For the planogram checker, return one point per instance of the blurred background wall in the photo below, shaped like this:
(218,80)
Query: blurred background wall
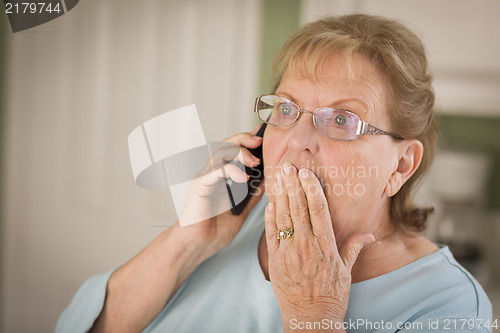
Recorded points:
(74,88)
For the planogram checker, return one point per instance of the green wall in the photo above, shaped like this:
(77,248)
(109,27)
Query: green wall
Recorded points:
(279,19)
(477,134)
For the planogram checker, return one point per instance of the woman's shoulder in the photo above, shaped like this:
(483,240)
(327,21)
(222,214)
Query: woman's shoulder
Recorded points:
(435,285)
(437,266)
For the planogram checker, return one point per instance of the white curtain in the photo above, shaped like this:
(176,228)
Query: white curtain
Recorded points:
(76,87)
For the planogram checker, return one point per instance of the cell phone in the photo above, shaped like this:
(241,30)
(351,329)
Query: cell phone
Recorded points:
(256,174)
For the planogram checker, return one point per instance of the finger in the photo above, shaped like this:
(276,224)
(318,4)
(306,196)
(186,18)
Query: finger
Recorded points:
(245,139)
(233,154)
(270,224)
(232,171)
(352,246)
(221,153)
(283,217)
(247,158)
(319,214)
(297,200)
(244,156)
(228,171)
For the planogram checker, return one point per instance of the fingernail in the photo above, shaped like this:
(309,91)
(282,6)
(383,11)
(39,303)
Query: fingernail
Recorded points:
(278,179)
(287,167)
(270,207)
(304,173)
(369,240)
(258,138)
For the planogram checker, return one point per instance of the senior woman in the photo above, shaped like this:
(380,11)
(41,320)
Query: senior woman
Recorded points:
(350,132)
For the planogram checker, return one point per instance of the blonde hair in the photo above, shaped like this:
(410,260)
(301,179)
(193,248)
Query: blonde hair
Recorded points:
(400,55)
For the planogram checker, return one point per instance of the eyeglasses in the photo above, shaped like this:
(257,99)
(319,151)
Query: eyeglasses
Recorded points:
(333,123)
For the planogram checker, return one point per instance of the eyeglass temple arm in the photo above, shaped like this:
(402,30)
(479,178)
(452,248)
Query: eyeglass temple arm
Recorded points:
(368,129)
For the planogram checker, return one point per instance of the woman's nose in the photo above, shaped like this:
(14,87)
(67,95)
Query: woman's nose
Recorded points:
(303,134)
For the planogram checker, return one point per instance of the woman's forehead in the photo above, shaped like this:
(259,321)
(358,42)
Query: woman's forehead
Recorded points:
(353,65)
(338,70)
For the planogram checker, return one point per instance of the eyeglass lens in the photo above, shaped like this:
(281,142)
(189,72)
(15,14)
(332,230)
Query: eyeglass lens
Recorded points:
(333,123)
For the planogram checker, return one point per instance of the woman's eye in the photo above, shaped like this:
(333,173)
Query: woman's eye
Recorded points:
(340,119)
(285,109)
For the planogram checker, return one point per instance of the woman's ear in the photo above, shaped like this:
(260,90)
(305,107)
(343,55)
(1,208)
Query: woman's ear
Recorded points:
(410,156)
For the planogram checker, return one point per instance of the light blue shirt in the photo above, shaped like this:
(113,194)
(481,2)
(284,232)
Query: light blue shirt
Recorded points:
(229,293)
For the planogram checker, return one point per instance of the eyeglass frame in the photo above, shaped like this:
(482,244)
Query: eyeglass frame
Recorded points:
(364,128)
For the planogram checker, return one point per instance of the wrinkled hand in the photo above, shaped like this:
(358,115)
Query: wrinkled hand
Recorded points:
(310,276)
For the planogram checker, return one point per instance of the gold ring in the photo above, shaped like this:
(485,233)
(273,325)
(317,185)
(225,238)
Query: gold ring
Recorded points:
(284,233)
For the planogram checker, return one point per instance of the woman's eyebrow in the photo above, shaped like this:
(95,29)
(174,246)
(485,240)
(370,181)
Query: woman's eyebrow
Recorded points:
(346,103)
(286,95)
(336,104)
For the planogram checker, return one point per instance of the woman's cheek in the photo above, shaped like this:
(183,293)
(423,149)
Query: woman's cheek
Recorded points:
(270,157)
(347,181)
(268,182)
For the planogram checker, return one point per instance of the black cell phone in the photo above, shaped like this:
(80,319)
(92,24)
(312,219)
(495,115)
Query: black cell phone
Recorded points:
(236,190)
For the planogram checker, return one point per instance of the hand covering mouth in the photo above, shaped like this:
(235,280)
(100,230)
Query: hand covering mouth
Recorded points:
(307,165)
